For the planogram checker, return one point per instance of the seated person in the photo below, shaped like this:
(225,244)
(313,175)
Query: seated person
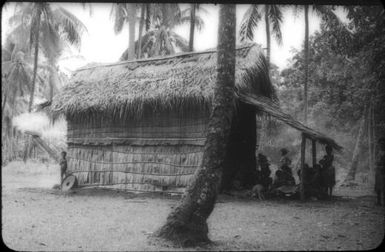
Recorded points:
(264,172)
(285,168)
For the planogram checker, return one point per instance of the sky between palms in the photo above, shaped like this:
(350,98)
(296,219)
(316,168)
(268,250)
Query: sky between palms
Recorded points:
(101,44)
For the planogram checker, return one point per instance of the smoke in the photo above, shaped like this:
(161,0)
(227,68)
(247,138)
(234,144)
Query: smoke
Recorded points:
(37,122)
(53,134)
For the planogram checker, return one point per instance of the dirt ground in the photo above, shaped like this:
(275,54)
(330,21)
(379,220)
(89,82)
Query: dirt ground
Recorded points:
(36,217)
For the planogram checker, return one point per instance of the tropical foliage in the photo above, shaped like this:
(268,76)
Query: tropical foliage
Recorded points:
(344,76)
(252,18)
(35,27)
(159,38)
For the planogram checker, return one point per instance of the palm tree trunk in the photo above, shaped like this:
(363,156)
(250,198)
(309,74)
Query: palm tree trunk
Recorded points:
(192,26)
(141,24)
(131,12)
(187,223)
(36,56)
(268,48)
(357,149)
(148,17)
(28,146)
(306,60)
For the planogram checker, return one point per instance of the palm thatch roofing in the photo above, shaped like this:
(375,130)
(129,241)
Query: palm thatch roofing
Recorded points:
(273,109)
(173,82)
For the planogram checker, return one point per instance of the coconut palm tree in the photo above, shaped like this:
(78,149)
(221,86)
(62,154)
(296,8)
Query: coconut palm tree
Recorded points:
(187,223)
(251,19)
(142,20)
(192,24)
(326,13)
(159,39)
(125,13)
(273,17)
(194,20)
(49,29)
(16,80)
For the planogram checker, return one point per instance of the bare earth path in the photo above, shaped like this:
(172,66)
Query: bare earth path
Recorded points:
(37,218)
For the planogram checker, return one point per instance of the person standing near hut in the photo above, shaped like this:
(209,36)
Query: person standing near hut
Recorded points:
(328,179)
(379,185)
(63,166)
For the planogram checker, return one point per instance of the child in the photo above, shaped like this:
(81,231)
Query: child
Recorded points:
(63,166)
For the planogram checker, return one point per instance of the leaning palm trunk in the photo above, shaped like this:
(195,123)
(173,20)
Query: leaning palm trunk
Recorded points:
(36,56)
(357,150)
(28,145)
(187,223)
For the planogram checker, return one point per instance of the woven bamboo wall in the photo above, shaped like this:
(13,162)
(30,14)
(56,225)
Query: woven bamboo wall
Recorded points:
(158,153)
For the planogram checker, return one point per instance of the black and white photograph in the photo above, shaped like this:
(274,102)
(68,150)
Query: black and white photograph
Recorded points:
(193,126)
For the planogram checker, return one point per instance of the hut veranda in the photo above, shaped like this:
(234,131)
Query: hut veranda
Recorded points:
(140,125)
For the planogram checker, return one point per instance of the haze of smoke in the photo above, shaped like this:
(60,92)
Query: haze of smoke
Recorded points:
(53,134)
(31,121)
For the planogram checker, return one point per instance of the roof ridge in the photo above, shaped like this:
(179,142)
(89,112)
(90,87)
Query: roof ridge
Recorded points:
(249,45)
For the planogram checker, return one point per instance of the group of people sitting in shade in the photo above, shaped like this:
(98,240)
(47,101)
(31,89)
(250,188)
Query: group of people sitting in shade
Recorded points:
(318,180)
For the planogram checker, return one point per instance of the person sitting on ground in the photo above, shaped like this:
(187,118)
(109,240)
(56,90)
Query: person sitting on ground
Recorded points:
(264,172)
(285,168)
(328,179)
(63,166)
(379,185)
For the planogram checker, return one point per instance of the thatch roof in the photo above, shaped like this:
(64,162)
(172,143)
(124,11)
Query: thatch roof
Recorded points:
(273,109)
(172,82)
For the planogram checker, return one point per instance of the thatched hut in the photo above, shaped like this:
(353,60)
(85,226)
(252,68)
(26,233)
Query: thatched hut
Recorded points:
(140,125)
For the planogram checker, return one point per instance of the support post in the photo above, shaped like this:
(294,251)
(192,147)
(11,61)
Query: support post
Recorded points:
(314,152)
(303,147)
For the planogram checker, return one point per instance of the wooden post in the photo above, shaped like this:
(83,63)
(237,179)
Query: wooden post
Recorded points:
(303,147)
(314,152)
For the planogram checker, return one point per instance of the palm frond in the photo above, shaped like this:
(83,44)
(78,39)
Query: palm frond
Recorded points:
(296,9)
(249,23)
(170,15)
(180,42)
(50,41)
(70,26)
(119,18)
(199,23)
(25,79)
(275,15)
(327,14)
(35,26)
(201,9)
